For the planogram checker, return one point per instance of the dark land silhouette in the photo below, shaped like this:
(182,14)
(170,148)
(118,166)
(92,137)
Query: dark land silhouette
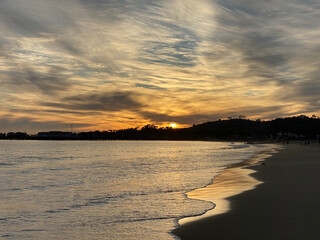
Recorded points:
(234,129)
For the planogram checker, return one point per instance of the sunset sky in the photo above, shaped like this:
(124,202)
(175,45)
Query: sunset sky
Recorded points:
(112,64)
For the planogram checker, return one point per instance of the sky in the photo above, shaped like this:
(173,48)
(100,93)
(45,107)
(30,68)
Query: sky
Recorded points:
(115,64)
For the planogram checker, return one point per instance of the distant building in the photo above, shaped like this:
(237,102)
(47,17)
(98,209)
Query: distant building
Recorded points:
(55,135)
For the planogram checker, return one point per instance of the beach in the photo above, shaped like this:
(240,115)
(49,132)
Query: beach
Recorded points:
(274,199)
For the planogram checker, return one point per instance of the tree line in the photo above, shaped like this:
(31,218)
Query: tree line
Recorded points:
(232,129)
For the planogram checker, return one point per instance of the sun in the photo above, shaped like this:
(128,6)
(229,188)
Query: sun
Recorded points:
(173,125)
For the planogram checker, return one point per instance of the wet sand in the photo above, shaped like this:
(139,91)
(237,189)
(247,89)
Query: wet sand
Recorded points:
(279,200)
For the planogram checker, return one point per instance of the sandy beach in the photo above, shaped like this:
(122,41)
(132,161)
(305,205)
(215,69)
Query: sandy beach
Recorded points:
(276,199)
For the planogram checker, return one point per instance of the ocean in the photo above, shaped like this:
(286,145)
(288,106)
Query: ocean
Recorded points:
(106,189)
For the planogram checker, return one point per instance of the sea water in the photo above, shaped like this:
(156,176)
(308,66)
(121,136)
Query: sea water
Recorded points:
(106,189)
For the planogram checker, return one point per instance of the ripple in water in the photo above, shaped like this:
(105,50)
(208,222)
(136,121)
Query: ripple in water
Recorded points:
(106,190)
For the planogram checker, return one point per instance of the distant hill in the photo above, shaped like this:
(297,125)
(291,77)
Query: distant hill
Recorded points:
(237,129)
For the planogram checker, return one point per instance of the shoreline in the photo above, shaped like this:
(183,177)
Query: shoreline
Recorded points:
(264,199)
(233,180)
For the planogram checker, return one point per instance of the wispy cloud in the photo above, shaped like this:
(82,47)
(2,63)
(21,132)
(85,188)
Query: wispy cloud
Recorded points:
(109,102)
(139,61)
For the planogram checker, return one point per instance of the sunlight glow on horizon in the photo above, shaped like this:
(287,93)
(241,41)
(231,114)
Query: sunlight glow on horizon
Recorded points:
(173,125)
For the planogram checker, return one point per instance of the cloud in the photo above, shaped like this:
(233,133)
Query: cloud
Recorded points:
(36,18)
(194,118)
(19,22)
(27,78)
(148,86)
(30,125)
(148,60)
(270,45)
(100,101)
(246,28)
(68,47)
